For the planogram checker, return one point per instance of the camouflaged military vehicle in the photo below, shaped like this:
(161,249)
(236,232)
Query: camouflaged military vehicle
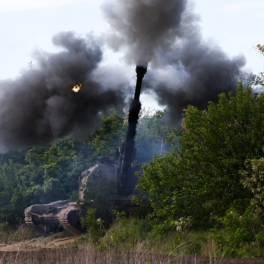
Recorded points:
(65,215)
(119,172)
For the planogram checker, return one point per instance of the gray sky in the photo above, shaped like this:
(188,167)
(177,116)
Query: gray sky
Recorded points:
(27,25)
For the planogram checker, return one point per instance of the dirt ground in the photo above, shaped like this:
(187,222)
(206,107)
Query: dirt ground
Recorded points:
(50,242)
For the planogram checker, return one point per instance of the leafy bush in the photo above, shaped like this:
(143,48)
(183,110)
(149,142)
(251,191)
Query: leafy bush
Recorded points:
(253,179)
(93,225)
(126,233)
(242,235)
(201,175)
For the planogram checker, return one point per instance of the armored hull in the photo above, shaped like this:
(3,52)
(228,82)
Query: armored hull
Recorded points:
(65,215)
(54,217)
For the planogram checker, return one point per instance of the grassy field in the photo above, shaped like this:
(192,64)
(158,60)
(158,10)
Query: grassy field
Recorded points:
(128,240)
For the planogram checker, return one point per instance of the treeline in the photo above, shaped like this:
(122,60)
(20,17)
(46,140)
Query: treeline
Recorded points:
(208,177)
(47,174)
(206,193)
(219,166)
(213,176)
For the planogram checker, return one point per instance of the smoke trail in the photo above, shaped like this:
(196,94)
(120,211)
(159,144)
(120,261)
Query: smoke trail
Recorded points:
(40,106)
(184,69)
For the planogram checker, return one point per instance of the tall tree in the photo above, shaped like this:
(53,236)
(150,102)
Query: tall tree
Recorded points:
(201,176)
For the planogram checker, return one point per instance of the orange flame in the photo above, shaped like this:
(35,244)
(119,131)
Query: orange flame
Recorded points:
(77,88)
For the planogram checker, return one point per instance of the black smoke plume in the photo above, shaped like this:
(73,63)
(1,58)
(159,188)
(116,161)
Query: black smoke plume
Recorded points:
(198,75)
(184,68)
(147,27)
(40,106)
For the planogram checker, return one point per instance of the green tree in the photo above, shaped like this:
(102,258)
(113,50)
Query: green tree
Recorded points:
(151,136)
(259,79)
(106,140)
(201,176)
(43,175)
(253,179)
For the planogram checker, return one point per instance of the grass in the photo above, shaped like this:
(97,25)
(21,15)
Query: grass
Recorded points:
(10,235)
(128,240)
(91,256)
(131,234)
(139,236)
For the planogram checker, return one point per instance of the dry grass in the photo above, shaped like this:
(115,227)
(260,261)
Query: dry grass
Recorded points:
(90,256)
(87,253)
(123,243)
(24,238)
(22,233)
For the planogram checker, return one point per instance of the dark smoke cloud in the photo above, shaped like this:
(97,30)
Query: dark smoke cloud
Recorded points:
(147,27)
(184,69)
(197,76)
(40,105)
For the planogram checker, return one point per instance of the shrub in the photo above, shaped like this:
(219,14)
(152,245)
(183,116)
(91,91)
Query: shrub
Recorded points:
(93,225)
(201,175)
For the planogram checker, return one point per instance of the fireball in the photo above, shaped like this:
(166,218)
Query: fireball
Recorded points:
(77,88)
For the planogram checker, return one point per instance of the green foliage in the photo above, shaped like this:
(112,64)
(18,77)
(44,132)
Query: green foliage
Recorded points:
(201,176)
(183,224)
(44,175)
(242,232)
(97,194)
(235,238)
(93,225)
(119,216)
(107,139)
(253,179)
(126,233)
(163,182)
(151,136)
(259,79)
(143,208)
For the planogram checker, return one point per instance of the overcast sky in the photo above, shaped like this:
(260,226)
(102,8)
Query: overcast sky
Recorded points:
(27,25)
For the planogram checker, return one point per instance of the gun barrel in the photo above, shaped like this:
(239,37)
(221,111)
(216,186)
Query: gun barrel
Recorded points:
(141,71)
(128,148)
